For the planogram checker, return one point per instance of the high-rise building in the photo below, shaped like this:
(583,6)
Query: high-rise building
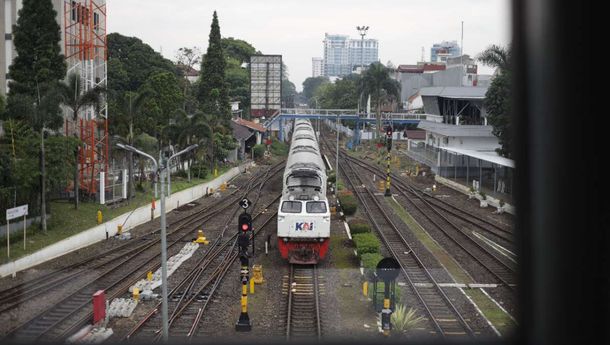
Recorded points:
(440,52)
(370,52)
(342,54)
(336,55)
(317,67)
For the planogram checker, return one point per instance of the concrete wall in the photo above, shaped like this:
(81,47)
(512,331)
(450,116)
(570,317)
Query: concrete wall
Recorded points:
(100,232)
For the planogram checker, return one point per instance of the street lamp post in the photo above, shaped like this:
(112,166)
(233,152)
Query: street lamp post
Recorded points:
(159,168)
(362,31)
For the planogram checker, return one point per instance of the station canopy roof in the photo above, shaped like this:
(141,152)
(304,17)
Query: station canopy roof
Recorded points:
(489,156)
(448,130)
(455,92)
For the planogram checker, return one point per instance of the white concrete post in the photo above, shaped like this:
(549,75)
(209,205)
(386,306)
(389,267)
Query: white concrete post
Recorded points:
(102,190)
(125,183)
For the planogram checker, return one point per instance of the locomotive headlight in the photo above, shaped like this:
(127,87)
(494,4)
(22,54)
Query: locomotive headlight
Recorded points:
(321,240)
(285,239)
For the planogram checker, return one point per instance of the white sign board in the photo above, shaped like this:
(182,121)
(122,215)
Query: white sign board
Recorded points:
(16,212)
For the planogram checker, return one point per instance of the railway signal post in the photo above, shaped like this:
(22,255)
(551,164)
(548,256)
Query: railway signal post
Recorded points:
(387,270)
(243,241)
(388,160)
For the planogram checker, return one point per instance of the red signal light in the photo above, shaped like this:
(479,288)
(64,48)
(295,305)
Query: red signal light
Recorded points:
(244,227)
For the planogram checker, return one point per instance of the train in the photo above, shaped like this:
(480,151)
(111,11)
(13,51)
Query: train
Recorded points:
(303,219)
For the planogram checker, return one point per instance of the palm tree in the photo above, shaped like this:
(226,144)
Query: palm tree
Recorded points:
(376,82)
(130,106)
(74,97)
(496,56)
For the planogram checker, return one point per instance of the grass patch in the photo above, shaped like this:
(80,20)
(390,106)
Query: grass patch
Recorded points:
(503,323)
(65,221)
(343,258)
(490,310)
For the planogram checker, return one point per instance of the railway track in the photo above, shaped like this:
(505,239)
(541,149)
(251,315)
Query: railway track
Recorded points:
(444,317)
(13,296)
(501,269)
(303,304)
(69,309)
(189,299)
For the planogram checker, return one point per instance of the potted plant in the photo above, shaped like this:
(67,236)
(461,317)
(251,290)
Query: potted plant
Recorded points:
(501,207)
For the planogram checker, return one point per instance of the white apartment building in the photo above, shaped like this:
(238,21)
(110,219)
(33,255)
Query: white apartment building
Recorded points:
(317,67)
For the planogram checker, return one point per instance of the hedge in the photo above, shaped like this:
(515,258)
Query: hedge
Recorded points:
(348,201)
(331,177)
(366,243)
(370,260)
(279,148)
(358,226)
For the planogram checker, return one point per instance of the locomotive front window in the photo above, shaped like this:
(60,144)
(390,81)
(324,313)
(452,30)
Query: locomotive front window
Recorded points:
(316,207)
(291,207)
(304,181)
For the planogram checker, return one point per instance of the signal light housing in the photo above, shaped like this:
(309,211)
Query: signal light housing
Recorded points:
(245,222)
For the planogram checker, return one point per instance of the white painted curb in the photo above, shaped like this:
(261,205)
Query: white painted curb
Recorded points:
(98,233)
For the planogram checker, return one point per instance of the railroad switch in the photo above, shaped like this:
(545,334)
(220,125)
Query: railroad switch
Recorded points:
(99,217)
(258,274)
(201,238)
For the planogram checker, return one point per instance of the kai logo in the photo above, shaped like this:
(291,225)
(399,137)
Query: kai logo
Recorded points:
(304,226)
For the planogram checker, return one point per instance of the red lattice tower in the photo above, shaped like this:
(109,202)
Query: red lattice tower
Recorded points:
(85,49)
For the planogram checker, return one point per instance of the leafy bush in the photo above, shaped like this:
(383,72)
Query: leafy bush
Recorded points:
(180,173)
(366,243)
(332,177)
(259,150)
(358,226)
(348,201)
(199,170)
(279,148)
(370,260)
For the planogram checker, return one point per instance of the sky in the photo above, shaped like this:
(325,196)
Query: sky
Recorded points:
(295,28)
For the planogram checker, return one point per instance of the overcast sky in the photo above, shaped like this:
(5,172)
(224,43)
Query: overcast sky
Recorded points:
(295,29)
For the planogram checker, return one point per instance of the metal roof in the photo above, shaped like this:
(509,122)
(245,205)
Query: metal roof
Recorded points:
(241,132)
(456,131)
(489,156)
(458,92)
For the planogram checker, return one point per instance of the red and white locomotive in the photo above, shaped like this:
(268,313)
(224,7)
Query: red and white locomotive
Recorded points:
(303,226)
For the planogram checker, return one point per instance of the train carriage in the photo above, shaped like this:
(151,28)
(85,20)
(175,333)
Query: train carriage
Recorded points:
(304,216)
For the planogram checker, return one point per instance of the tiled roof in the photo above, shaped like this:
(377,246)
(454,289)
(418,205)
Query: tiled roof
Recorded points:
(252,125)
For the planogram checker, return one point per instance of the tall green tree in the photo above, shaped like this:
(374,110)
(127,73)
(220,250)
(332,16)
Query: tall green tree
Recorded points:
(498,96)
(213,93)
(35,74)
(310,85)
(164,102)
(74,97)
(376,81)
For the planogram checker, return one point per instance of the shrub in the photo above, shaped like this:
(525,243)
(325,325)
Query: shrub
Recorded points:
(358,226)
(483,195)
(332,177)
(366,243)
(259,150)
(279,148)
(348,201)
(199,170)
(370,260)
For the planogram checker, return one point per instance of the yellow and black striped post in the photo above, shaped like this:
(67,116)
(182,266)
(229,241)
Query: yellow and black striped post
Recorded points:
(243,323)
